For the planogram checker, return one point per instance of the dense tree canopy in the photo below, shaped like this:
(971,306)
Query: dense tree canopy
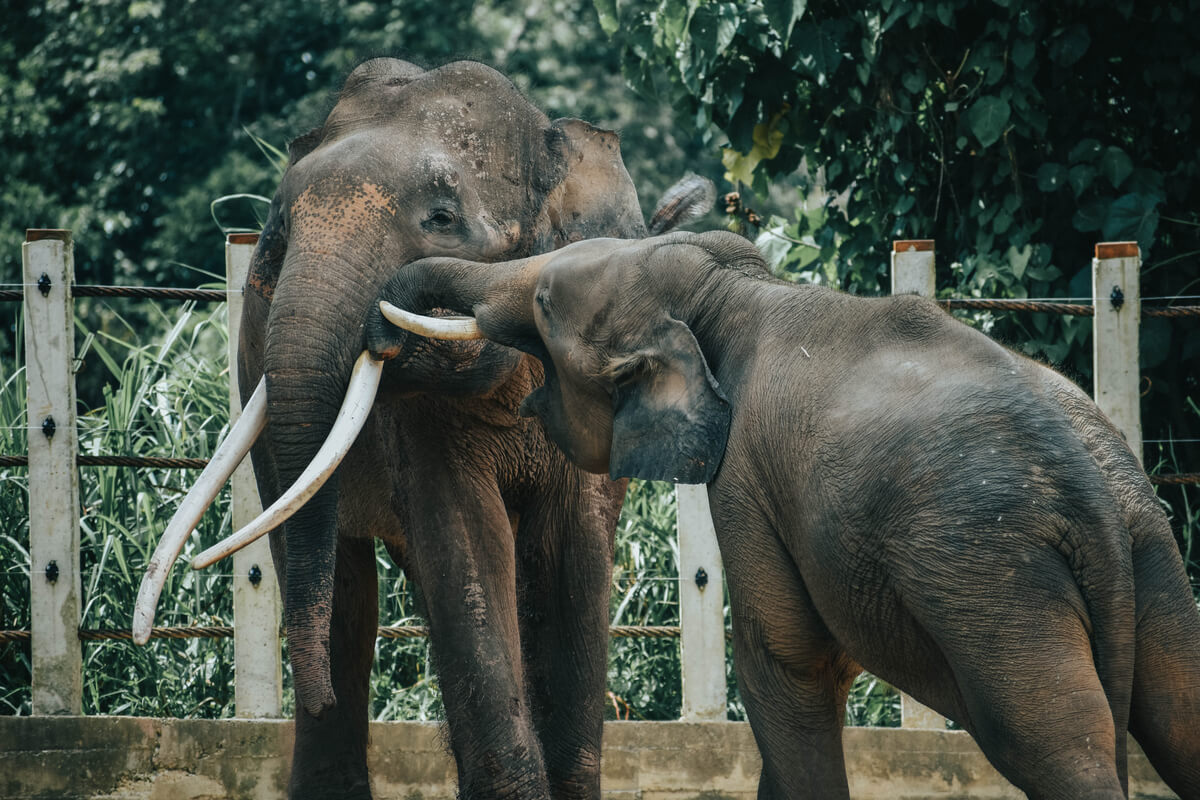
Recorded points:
(1014,132)
(124,119)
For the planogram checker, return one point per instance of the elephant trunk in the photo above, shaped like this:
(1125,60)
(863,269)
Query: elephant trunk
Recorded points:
(499,296)
(313,337)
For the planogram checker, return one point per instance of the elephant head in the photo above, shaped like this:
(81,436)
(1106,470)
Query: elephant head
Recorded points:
(628,391)
(409,164)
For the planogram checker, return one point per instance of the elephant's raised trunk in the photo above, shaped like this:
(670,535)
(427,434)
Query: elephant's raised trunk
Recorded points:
(498,296)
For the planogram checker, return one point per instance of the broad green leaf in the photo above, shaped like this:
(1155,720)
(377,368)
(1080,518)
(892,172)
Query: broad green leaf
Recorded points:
(1081,177)
(1023,52)
(1091,216)
(782,15)
(914,81)
(1018,260)
(1051,177)
(1115,165)
(817,50)
(713,28)
(1086,150)
(987,119)
(1134,217)
(606,10)
(1069,46)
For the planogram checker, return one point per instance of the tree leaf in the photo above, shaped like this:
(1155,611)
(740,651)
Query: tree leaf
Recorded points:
(987,119)
(1018,260)
(606,10)
(782,15)
(1091,216)
(1051,177)
(1134,217)
(1023,52)
(1086,150)
(818,50)
(1069,46)
(914,81)
(1081,177)
(1115,165)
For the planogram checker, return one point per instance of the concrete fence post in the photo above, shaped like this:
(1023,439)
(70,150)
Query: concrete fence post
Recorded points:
(256,651)
(54,583)
(913,272)
(1118,303)
(912,267)
(701,608)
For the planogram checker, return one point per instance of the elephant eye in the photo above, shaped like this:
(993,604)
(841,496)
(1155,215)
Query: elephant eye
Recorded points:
(440,220)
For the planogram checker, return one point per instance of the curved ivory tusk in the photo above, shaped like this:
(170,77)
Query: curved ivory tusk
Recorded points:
(356,406)
(431,327)
(231,453)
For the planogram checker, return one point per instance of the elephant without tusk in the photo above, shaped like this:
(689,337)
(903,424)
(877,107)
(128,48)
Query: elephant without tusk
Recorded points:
(891,490)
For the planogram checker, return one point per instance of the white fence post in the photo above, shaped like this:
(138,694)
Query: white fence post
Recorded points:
(913,272)
(1118,303)
(256,652)
(701,608)
(912,267)
(49,268)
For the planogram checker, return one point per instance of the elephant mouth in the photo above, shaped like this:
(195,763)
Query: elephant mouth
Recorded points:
(356,407)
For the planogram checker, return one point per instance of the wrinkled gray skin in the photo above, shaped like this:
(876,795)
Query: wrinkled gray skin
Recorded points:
(509,543)
(891,490)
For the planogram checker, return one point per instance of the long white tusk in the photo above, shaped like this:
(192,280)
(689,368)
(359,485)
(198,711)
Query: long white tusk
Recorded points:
(432,327)
(360,395)
(231,453)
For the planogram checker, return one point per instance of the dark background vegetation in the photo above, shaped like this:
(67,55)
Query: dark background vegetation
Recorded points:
(1014,132)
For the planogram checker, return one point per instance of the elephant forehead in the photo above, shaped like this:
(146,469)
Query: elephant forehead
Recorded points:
(339,208)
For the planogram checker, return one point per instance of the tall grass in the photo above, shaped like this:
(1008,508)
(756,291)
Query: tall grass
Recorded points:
(169,398)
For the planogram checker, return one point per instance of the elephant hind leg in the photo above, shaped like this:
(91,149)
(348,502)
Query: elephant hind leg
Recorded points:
(1165,716)
(564,563)
(1037,708)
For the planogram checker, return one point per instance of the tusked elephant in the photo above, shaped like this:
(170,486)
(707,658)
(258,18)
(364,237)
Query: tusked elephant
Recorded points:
(891,490)
(509,544)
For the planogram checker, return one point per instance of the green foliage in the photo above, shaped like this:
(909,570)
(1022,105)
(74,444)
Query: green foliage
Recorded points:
(124,120)
(643,674)
(1015,133)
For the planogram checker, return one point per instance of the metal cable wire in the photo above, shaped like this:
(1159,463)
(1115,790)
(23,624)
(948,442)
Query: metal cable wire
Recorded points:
(1068,309)
(135,292)
(383,632)
(150,462)
(978,304)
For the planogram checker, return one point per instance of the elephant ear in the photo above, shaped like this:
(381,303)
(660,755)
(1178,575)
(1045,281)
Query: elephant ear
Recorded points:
(595,197)
(302,145)
(670,418)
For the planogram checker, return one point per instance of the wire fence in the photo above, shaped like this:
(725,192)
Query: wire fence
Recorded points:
(1005,305)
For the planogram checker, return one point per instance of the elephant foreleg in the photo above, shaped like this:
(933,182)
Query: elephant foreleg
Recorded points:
(793,676)
(330,754)
(563,571)
(460,545)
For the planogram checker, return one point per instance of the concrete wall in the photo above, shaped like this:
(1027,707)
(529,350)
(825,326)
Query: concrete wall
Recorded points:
(129,758)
